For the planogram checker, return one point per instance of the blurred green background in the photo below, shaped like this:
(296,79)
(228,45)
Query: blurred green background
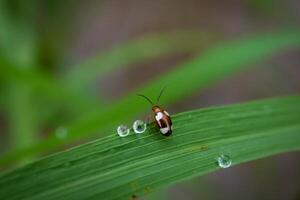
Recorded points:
(64,62)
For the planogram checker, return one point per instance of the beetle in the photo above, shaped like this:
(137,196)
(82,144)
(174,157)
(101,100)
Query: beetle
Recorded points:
(160,116)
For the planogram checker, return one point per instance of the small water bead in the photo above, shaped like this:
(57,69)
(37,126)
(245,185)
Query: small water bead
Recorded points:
(224,161)
(139,126)
(61,132)
(123,131)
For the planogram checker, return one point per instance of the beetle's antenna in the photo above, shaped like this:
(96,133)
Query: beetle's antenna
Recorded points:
(146,99)
(161,92)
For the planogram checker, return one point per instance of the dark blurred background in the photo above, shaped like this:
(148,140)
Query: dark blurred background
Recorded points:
(50,37)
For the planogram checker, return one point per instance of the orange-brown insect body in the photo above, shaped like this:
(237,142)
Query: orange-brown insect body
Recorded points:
(161,117)
(162,120)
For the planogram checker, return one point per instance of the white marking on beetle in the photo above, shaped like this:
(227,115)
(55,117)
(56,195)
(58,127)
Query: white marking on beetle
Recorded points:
(166,113)
(159,116)
(164,130)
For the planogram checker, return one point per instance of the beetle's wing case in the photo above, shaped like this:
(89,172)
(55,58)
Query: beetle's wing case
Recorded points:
(162,120)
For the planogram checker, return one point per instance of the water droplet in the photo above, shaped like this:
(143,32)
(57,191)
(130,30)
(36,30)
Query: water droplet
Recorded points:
(224,161)
(139,126)
(123,131)
(61,132)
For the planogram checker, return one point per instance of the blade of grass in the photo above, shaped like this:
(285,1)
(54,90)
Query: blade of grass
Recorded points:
(43,84)
(18,36)
(143,49)
(123,168)
(140,50)
(203,70)
(22,115)
(74,84)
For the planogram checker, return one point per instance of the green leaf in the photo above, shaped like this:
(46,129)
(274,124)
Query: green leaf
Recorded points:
(18,36)
(22,114)
(193,75)
(42,83)
(75,83)
(124,168)
(139,50)
(143,49)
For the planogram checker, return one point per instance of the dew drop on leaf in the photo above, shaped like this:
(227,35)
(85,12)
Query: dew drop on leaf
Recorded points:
(139,126)
(224,161)
(123,131)
(61,132)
